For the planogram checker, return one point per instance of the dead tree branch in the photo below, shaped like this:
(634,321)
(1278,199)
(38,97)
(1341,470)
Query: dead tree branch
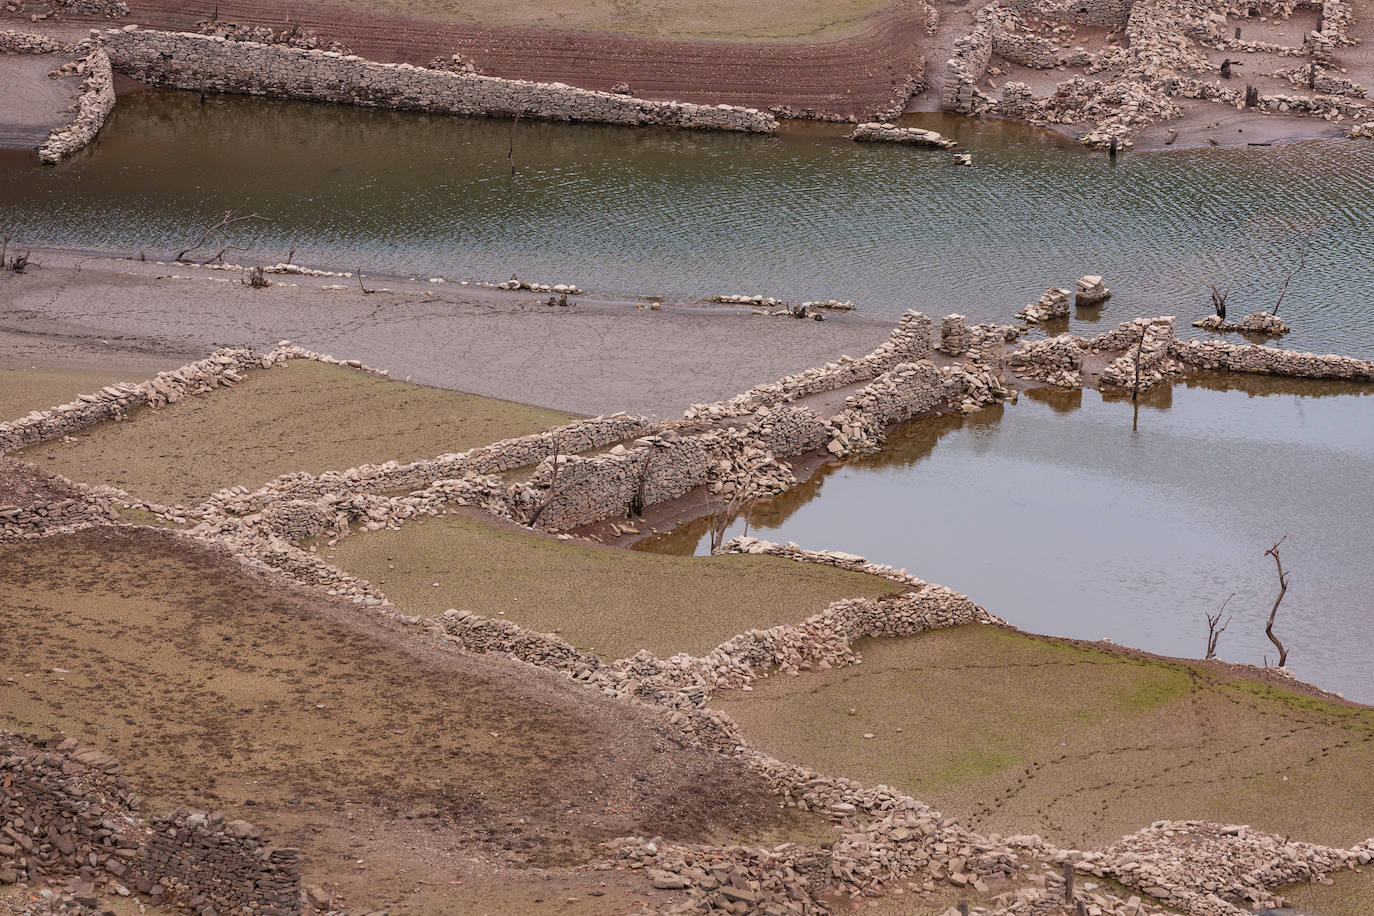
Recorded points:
(1302,262)
(553,487)
(722,517)
(230,218)
(636,506)
(1215,627)
(510,148)
(1139,350)
(1219,299)
(1283,589)
(367,291)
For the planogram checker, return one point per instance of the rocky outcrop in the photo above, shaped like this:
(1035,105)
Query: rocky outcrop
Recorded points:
(880,132)
(184,60)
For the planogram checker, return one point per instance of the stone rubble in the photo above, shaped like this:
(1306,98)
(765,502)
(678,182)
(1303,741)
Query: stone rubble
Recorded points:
(1053,305)
(1254,323)
(1090,291)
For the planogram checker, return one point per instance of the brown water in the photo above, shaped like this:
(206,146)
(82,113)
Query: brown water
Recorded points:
(807,214)
(1068,514)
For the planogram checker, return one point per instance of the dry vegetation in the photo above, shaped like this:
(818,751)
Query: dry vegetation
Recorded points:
(610,601)
(355,741)
(1020,734)
(303,416)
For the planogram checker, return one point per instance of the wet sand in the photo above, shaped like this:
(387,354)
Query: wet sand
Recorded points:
(594,356)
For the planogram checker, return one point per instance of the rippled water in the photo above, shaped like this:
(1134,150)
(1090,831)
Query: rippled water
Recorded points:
(1067,514)
(803,215)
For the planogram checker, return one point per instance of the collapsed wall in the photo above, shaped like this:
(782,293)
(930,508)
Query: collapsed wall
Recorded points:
(184,60)
(66,812)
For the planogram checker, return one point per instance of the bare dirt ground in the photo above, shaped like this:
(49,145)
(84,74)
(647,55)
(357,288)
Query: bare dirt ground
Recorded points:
(1082,744)
(301,416)
(610,601)
(404,771)
(851,74)
(33,104)
(596,356)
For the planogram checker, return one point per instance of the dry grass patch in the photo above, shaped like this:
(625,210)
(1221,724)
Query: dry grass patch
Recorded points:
(752,20)
(302,416)
(217,689)
(610,601)
(1021,734)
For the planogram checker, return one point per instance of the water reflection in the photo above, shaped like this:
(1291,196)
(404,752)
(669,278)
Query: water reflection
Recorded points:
(806,214)
(1060,516)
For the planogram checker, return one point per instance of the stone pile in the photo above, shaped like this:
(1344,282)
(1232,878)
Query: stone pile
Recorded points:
(832,305)
(762,301)
(559,288)
(1254,323)
(1052,305)
(1090,291)
(183,60)
(1057,360)
(880,132)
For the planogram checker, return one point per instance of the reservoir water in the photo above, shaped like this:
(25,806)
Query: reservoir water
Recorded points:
(804,215)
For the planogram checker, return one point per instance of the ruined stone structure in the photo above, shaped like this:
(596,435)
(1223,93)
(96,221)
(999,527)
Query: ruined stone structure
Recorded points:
(66,812)
(94,103)
(184,60)
(891,133)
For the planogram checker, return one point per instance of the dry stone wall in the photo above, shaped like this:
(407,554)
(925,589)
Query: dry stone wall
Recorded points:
(909,341)
(183,60)
(93,107)
(63,515)
(16,42)
(1228,357)
(66,812)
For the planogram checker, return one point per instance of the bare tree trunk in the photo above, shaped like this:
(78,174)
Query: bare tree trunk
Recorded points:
(1283,589)
(553,488)
(1139,350)
(230,218)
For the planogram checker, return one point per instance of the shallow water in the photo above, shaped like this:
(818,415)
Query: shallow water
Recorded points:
(1069,515)
(807,214)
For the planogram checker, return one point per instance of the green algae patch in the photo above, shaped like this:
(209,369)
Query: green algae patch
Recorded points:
(1013,733)
(301,416)
(613,602)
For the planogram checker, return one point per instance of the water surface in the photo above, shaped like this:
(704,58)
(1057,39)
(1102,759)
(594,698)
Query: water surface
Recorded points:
(807,214)
(1068,514)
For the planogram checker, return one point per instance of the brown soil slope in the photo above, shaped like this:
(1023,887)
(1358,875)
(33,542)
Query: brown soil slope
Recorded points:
(217,689)
(851,75)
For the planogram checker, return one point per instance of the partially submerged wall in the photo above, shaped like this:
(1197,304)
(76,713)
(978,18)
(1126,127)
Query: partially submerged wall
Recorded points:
(93,107)
(183,60)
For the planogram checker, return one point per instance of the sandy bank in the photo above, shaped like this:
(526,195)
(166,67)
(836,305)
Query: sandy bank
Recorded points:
(594,356)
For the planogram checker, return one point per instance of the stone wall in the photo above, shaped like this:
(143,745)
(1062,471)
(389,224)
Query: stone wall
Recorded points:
(114,402)
(197,860)
(93,107)
(1228,357)
(182,60)
(580,436)
(909,341)
(66,812)
(15,42)
(72,514)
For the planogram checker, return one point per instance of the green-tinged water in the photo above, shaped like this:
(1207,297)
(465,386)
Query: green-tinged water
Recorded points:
(1067,514)
(807,214)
